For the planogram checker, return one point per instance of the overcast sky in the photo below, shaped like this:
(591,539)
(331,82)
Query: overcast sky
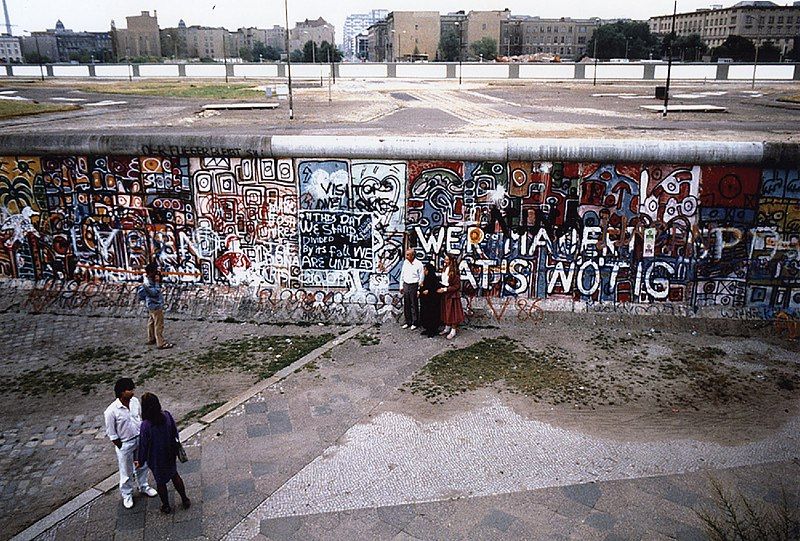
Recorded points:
(96,15)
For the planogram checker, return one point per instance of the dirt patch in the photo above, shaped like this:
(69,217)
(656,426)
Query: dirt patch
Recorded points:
(637,379)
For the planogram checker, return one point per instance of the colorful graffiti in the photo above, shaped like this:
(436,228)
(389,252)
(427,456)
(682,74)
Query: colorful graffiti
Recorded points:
(320,234)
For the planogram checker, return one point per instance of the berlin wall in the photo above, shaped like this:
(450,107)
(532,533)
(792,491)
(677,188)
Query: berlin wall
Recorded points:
(314,229)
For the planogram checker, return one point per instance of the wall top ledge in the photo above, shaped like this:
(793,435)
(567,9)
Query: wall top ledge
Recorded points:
(402,148)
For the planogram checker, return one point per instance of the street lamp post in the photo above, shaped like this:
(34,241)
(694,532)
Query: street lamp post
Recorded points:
(130,68)
(460,44)
(224,56)
(626,48)
(758,41)
(672,36)
(594,80)
(288,57)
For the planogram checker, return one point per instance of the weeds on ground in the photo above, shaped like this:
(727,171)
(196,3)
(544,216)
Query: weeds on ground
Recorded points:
(368,339)
(179,89)
(262,355)
(90,367)
(737,518)
(199,412)
(10,109)
(542,375)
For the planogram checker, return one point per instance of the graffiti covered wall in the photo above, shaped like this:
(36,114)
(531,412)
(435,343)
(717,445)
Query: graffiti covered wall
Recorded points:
(323,239)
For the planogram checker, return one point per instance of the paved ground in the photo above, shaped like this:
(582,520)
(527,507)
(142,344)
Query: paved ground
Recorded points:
(343,450)
(55,385)
(397,107)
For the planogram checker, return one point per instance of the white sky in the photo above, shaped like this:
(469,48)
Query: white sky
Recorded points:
(96,15)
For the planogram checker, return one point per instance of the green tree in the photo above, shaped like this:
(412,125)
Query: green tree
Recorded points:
(613,40)
(485,47)
(310,52)
(297,56)
(35,58)
(449,46)
(328,52)
(689,48)
(738,48)
(769,52)
(245,54)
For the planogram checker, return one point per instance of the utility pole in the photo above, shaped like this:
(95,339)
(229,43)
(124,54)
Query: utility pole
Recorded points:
(669,60)
(594,81)
(288,58)
(758,41)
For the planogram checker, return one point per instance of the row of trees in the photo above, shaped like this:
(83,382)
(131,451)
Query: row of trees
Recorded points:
(633,40)
(450,48)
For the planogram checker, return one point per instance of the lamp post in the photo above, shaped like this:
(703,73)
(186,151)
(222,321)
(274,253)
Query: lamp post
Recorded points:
(758,41)
(626,48)
(224,55)
(669,59)
(128,59)
(460,43)
(594,80)
(288,57)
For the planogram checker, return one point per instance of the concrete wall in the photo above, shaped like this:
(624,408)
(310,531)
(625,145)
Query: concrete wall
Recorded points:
(434,70)
(306,228)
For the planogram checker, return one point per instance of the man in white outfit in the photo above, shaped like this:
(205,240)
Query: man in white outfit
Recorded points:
(411,276)
(123,419)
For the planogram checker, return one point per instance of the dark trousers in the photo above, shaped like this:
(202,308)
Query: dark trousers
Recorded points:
(411,304)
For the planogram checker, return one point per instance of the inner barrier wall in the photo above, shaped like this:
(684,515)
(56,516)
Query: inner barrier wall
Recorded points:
(256,235)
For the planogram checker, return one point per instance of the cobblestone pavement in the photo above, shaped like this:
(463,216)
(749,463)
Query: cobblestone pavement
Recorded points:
(323,455)
(52,447)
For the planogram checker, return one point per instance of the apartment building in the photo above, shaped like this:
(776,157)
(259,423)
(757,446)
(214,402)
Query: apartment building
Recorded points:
(140,38)
(412,35)
(566,37)
(61,44)
(317,31)
(10,50)
(355,25)
(759,21)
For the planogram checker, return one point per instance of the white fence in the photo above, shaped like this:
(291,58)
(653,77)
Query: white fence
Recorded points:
(607,71)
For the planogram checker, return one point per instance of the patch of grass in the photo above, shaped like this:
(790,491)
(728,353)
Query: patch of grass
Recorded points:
(49,381)
(735,517)
(790,99)
(262,356)
(179,89)
(14,108)
(544,374)
(368,339)
(198,412)
(308,367)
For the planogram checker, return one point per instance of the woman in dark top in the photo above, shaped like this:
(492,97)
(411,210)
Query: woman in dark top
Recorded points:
(157,448)
(430,302)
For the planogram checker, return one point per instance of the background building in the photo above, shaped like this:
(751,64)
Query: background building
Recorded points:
(412,35)
(10,50)
(378,42)
(355,25)
(317,31)
(566,37)
(141,38)
(758,21)
(60,44)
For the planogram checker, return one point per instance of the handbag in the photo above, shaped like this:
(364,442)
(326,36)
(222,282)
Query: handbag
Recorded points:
(180,452)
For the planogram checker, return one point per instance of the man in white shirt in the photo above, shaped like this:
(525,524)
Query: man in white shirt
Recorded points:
(123,419)
(411,276)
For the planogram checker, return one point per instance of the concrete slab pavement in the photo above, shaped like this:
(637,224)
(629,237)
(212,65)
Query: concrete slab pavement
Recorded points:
(290,449)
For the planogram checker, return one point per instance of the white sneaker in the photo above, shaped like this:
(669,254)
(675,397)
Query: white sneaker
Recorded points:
(127,501)
(451,334)
(150,491)
(413,327)
(445,331)
(405,326)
